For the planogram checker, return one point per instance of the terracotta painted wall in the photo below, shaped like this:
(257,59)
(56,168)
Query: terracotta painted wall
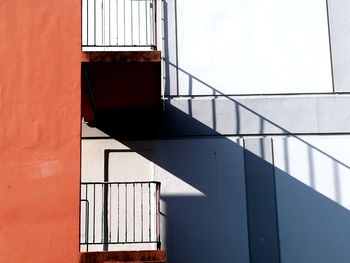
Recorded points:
(39,130)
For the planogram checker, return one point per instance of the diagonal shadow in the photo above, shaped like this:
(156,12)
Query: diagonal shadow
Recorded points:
(245,209)
(212,226)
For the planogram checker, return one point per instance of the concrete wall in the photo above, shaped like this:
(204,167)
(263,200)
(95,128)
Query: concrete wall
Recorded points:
(217,198)
(281,176)
(202,193)
(339,22)
(246,47)
(312,184)
(251,147)
(40,128)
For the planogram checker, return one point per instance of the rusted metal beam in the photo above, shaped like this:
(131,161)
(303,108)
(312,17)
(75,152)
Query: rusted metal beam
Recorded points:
(145,256)
(129,56)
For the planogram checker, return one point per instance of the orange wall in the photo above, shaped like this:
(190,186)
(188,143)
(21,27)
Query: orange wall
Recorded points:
(39,130)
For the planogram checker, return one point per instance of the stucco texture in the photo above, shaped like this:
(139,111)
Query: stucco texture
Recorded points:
(40,130)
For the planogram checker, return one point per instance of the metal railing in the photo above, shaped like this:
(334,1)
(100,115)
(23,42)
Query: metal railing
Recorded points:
(113,214)
(119,23)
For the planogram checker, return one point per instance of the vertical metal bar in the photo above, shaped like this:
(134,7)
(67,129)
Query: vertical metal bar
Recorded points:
(126,213)
(158,215)
(105,217)
(109,21)
(151,21)
(95,23)
(94,215)
(110,213)
(134,209)
(87,22)
(87,227)
(149,210)
(138,11)
(87,219)
(132,24)
(146,22)
(124,23)
(102,214)
(116,17)
(118,215)
(155,29)
(86,224)
(103,22)
(141,212)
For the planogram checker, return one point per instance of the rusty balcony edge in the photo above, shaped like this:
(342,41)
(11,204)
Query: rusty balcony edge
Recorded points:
(123,56)
(142,256)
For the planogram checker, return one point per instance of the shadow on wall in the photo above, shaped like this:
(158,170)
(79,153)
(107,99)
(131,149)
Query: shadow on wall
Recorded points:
(246,201)
(234,178)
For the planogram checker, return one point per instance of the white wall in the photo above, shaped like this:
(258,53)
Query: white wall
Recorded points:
(249,47)
(313,197)
(246,47)
(339,16)
(202,194)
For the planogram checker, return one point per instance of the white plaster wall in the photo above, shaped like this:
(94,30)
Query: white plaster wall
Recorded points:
(202,194)
(249,47)
(203,202)
(339,13)
(313,198)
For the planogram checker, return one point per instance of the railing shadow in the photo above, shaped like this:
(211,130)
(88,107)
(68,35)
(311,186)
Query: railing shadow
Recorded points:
(211,222)
(234,202)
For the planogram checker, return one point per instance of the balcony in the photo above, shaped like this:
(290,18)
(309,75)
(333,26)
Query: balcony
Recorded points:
(119,25)
(121,87)
(121,76)
(119,216)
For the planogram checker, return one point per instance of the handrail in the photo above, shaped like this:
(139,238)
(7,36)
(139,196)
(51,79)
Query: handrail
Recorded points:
(119,23)
(138,182)
(119,213)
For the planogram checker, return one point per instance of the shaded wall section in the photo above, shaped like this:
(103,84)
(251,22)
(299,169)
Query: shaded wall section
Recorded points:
(313,200)
(40,128)
(339,23)
(203,207)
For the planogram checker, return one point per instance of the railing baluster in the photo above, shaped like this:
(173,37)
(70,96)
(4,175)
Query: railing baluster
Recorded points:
(134,210)
(118,215)
(139,22)
(87,219)
(99,19)
(126,213)
(158,214)
(124,24)
(109,22)
(149,209)
(87,22)
(86,239)
(95,22)
(132,24)
(151,21)
(105,217)
(110,212)
(87,227)
(116,18)
(110,205)
(102,215)
(94,215)
(103,23)
(155,23)
(141,212)
(146,15)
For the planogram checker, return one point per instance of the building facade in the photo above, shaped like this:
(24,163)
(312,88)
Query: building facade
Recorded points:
(239,109)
